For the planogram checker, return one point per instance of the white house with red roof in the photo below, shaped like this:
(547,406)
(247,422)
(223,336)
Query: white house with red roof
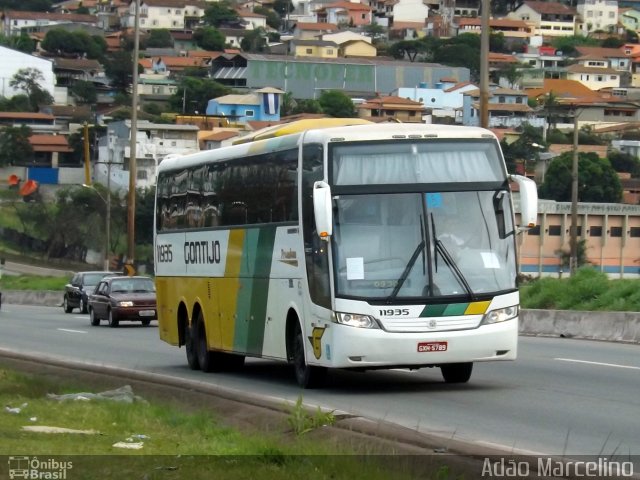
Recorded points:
(16,22)
(343,12)
(312,30)
(550,19)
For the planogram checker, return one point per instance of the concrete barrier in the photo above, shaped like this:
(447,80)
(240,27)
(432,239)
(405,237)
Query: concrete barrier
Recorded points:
(47,298)
(611,326)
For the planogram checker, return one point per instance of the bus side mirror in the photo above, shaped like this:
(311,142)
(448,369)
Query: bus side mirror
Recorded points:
(528,201)
(322,209)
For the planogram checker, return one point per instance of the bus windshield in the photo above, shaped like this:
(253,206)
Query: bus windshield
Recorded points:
(417,245)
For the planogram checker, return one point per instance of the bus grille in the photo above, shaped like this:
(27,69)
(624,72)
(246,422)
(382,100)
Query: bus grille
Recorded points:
(431,324)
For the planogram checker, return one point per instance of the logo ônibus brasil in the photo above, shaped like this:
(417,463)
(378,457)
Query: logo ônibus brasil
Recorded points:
(38,469)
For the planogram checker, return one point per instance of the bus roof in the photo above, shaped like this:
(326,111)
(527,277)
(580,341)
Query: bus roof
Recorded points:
(297,127)
(354,132)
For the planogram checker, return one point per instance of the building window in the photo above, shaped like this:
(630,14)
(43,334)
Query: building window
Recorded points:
(309,51)
(141,174)
(616,232)
(248,113)
(519,100)
(178,12)
(501,99)
(634,232)
(595,231)
(534,231)
(329,51)
(554,230)
(364,16)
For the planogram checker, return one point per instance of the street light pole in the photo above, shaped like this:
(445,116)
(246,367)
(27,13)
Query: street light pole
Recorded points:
(484,63)
(573,242)
(131,209)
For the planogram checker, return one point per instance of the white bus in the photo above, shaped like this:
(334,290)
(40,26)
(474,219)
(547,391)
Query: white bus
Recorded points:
(354,247)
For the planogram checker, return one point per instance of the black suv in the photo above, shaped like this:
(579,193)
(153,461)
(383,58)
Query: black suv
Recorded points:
(82,284)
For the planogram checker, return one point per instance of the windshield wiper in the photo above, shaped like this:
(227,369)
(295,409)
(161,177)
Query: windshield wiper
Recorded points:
(450,262)
(406,271)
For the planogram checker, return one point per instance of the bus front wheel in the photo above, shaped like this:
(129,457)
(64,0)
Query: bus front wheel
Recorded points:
(307,376)
(456,372)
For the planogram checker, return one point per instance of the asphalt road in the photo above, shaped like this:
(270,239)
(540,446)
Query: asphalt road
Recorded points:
(561,397)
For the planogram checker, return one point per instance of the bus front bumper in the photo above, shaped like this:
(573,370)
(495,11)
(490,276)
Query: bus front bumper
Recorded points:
(349,347)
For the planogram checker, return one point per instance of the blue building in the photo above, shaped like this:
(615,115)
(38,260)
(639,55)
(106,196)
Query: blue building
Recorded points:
(261,105)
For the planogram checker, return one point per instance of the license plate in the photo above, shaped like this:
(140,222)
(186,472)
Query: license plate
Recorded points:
(147,313)
(432,347)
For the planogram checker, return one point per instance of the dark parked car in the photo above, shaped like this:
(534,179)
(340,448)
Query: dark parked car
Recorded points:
(76,293)
(123,298)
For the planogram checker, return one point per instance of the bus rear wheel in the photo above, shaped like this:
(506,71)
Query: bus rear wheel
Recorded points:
(307,376)
(456,372)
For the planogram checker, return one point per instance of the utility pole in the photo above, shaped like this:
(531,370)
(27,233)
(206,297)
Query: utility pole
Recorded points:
(131,210)
(107,263)
(484,63)
(573,241)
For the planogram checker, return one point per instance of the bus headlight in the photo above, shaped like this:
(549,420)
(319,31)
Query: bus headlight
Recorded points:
(125,304)
(500,315)
(356,320)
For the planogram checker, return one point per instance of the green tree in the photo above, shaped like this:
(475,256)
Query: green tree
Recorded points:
(159,38)
(119,68)
(568,44)
(283,7)
(287,105)
(220,13)
(613,42)
(460,55)
(27,5)
(209,38)
(29,80)
(625,162)
(194,94)
(14,145)
(337,104)
(23,43)
(17,103)
(60,41)
(307,106)
(407,49)
(254,41)
(145,212)
(273,19)
(511,73)
(85,91)
(523,149)
(597,180)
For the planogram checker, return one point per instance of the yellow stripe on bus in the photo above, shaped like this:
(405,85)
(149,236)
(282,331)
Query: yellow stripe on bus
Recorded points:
(477,308)
(229,288)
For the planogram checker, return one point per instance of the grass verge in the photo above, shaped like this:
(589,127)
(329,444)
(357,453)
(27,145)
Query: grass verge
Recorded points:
(32,282)
(176,444)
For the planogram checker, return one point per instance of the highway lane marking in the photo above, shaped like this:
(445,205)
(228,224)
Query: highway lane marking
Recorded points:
(597,363)
(71,331)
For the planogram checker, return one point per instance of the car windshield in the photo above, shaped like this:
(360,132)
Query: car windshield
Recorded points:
(416,245)
(93,278)
(133,285)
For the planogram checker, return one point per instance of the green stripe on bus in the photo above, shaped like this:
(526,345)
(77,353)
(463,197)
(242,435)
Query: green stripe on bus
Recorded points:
(444,310)
(251,310)
(262,269)
(245,292)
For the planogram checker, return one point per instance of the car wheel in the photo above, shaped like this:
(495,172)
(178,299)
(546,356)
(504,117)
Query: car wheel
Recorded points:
(146,322)
(65,305)
(82,306)
(307,376)
(95,321)
(456,372)
(191,348)
(113,322)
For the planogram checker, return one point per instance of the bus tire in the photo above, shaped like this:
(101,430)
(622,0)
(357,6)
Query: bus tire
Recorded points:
(206,359)
(456,372)
(307,376)
(190,347)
